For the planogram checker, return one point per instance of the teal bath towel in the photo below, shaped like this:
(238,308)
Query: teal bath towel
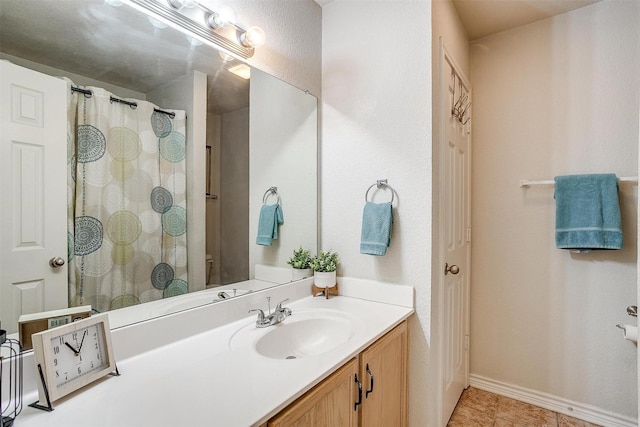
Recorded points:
(377,220)
(270,217)
(588,212)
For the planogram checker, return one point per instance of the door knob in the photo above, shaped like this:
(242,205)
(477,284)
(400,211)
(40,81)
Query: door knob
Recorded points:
(632,310)
(56,262)
(453,269)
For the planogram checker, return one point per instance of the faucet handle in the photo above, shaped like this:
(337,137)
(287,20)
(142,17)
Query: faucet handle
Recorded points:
(279,306)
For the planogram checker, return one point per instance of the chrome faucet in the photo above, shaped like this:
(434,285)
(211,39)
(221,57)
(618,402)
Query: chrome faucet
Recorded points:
(278,315)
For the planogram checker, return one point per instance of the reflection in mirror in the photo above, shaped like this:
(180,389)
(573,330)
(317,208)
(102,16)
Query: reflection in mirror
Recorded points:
(260,135)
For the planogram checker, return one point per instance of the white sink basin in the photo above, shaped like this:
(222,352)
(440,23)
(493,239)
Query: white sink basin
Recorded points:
(303,334)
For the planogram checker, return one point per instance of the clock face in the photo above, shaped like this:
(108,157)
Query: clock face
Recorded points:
(78,353)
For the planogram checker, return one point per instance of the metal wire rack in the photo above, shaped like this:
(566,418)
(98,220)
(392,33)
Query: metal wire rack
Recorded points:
(10,379)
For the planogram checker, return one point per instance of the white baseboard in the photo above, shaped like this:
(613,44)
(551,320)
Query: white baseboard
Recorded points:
(578,410)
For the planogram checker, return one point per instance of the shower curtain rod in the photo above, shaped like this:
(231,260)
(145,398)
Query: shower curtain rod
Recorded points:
(88,93)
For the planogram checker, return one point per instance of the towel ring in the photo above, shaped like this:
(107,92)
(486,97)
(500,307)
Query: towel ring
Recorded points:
(269,192)
(381,183)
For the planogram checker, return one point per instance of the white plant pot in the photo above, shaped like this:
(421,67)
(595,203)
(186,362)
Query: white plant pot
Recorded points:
(300,273)
(324,279)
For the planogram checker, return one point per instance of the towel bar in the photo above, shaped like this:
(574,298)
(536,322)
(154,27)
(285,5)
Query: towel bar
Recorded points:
(525,183)
(381,183)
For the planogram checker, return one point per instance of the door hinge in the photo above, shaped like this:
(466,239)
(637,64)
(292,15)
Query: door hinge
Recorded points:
(466,342)
(468,234)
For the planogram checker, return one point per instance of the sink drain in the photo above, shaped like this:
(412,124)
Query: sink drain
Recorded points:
(290,357)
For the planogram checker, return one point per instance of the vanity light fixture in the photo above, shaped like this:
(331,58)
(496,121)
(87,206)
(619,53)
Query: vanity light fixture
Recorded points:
(216,27)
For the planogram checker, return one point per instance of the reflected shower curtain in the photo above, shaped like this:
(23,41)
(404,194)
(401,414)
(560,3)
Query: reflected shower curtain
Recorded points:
(127,202)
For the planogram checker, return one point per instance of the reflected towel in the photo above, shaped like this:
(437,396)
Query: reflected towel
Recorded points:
(587,212)
(377,221)
(270,217)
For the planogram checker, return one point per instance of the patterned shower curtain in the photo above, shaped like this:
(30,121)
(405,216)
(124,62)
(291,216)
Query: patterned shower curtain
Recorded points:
(127,202)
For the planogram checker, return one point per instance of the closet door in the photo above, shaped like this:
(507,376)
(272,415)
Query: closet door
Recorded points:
(455,233)
(33,193)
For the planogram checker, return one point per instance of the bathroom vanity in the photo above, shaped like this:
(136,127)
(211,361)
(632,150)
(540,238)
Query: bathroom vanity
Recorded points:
(369,390)
(198,368)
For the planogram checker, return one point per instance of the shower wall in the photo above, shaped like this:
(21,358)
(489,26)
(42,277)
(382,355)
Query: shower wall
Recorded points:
(228,215)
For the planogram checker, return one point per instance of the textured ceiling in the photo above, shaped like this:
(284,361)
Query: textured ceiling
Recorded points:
(484,17)
(116,45)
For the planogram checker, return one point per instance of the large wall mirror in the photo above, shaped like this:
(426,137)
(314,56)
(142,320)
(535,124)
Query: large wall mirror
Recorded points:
(241,136)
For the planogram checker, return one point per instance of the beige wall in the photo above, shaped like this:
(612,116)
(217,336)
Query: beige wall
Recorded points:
(376,124)
(553,98)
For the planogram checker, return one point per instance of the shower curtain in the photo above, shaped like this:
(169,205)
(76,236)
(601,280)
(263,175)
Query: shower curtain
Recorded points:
(127,202)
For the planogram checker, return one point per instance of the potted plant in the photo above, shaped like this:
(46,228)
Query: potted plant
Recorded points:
(324,267)
(300,264)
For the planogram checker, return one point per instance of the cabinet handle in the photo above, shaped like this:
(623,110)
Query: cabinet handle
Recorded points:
(355,406)
(366,396)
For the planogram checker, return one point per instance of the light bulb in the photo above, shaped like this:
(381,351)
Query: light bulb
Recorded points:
(223,16)
(253,37)
(179,4)
(227,15)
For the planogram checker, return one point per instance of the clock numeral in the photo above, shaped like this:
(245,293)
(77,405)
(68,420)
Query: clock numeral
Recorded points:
(61,341)
(74,336)
(57,374)
(56,350)
(91,364)
(55,362)
(79,371)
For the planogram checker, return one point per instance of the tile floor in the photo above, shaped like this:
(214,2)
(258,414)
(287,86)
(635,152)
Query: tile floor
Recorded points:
(478,408)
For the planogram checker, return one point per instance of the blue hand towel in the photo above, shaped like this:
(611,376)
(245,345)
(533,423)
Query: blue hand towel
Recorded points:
(377,220)
(270,217)
(588,212)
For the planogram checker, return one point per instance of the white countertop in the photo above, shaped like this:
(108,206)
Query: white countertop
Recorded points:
(201,380)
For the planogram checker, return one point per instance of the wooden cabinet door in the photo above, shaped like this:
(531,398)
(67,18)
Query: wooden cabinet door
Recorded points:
(329,404)
(383,369)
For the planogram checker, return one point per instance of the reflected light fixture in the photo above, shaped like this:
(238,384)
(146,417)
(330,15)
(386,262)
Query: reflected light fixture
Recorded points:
(241,70)
(217,27)
(157,23)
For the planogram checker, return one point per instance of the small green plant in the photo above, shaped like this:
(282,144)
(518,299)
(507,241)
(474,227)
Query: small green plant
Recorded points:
(325,262)
(300,259)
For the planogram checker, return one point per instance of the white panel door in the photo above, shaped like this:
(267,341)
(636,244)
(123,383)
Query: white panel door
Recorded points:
(455,163)
(33,193)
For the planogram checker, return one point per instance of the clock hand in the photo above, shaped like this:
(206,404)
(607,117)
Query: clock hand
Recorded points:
(82,341)
(72,349)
